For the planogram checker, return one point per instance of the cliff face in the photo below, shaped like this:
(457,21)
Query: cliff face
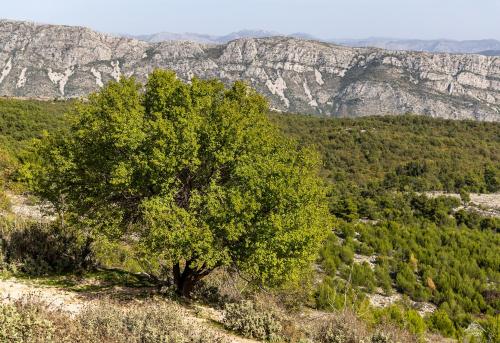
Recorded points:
(49,61)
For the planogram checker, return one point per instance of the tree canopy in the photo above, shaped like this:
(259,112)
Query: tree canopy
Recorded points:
(194,173)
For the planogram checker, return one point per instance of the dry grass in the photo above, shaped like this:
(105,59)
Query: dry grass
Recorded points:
(30,321)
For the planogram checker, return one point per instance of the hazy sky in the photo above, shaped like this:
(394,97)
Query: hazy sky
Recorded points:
(456,19)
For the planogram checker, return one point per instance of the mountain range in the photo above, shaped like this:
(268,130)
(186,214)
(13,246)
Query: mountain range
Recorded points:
(201,38)
(296,75)
(485,46)
(488,47)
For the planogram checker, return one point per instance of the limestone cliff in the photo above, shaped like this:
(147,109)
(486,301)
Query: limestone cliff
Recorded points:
(48,61)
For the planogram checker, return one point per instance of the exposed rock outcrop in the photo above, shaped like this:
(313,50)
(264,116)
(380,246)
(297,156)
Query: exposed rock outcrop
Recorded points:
(48,61)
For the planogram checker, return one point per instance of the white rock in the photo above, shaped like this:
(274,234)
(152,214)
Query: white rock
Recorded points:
(116,73)
(98,77)
(278,87)
(6,70)
(312,102)
(60,78)
(22,78)
(319,77)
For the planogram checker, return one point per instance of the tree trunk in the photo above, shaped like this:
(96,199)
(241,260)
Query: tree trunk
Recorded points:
(186,280)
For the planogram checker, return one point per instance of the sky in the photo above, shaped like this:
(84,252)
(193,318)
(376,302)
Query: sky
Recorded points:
(421,19)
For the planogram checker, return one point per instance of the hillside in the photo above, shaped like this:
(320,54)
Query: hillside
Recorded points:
(407,152)
(394,256)
(50,61)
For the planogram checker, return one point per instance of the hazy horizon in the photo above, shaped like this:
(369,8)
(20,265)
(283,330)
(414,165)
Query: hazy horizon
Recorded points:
(356,19)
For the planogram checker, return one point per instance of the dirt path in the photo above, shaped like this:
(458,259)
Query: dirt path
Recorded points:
(73,303)
(56,299)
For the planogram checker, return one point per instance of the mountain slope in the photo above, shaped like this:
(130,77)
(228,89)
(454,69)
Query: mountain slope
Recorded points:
(296,75)
(436,45)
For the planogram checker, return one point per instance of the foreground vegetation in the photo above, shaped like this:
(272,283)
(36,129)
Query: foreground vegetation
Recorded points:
(376,170)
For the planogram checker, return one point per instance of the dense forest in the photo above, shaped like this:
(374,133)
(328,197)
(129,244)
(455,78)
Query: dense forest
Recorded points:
(403,152)
(376,169)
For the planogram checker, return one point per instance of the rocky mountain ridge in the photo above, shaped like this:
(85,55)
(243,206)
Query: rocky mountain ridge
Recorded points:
(49,61)
(487,47)
(202,38)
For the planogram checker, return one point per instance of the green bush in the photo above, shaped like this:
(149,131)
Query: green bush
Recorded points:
(41,249)
(363,276)
(440,322)
(250,321)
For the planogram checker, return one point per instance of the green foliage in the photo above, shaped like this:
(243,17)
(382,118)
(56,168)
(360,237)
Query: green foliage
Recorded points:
(195,172)
(404,318)
(425,249)
(337,294)
(403,152)
(248,320)
(363,276)
(490,328)
(440,322)
(43,248)
(383,278)
(21,121)
(131,147)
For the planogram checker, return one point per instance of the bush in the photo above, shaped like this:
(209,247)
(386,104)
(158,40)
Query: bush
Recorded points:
(440,322)
(41,249)
(250,321)
(4,200)
(381,338)
(24,324)
(343,328)
(149,323)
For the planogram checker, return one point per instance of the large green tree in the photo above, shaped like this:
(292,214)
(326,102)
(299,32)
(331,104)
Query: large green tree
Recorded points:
(194,173)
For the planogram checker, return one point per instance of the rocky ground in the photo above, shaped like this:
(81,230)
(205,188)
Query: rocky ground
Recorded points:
(485,204)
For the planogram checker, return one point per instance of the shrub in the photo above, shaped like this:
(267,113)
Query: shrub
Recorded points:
(149,323)
(42,249)
(342,328)
(24,323)
(362,275)
(380,337)
(4,200)
(247,319)
(439,321)
(30,321)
